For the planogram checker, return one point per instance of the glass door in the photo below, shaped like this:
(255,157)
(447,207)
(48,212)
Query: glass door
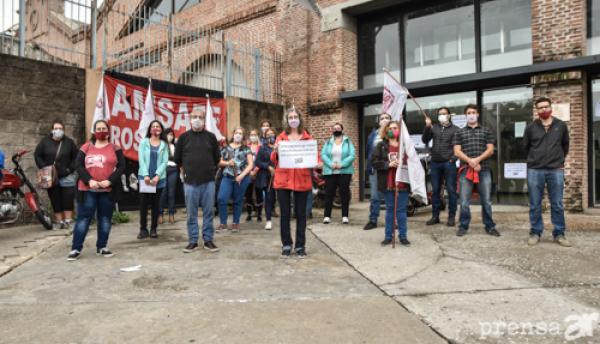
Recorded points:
(507,112)
(596,140)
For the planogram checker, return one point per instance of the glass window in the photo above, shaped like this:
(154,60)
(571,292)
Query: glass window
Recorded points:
(379,43)
(440,41)
(181,5)
(505,34)
(507,112)
(593,32)
(596,139)
(456,102)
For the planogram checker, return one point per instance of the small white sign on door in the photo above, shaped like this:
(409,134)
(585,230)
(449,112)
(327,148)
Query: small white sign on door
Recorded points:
(515,170)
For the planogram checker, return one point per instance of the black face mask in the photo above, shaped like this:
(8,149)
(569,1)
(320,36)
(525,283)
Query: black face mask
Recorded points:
(337,133)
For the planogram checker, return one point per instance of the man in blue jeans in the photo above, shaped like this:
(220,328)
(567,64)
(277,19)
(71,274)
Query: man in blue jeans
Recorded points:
(376,197)
(443,164)
(474,145)
(546,142)
(197,154)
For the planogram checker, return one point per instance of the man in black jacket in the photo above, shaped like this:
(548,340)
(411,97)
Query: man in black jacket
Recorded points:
(197,155)
(443,164)
(546,142)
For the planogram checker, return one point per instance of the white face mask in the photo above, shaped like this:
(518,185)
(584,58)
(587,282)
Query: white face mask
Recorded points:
(383,122)
(264,129)
(170,138)
(294,123)
(443,119)
(471,119)
(197,123)
(237,138)
(58,133)
(253,138)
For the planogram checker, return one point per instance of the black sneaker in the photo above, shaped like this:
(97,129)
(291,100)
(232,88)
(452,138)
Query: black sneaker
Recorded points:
(190,248)
(461,232)
(104,252)
(286,252)
(492,232)
(249,218)
(301,253)
(370,225)
(451,222)
(433,221)
(259,218)
(73,255)
(386,242)
(210,246)
(153,233)
(143,234)
(404,242)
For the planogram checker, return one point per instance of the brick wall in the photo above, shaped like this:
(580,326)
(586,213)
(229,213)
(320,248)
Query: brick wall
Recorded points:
(559,37)
(33,95)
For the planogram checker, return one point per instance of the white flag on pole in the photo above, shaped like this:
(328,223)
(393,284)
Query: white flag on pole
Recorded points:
(211,123)
(147,115)
(394,100)
(101,111)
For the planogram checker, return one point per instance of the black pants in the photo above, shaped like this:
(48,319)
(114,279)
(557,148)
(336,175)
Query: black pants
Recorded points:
(149,200)
(62,199)
(285,209)
(333,182)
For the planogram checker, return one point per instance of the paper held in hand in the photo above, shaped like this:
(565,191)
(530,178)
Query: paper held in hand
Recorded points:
(298,154)
(145,188)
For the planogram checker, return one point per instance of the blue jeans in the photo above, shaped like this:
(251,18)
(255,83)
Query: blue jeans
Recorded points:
(443,171)
(555,180)
(376,197)
(400,213)
(485,190)
(269,200)
(167,197)
(202,195)
(104,205)
(230,188)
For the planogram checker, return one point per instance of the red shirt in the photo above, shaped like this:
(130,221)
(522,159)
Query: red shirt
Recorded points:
(100,164)
(391,177)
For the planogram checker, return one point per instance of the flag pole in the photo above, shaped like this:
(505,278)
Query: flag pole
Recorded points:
(385,70)
(395,217)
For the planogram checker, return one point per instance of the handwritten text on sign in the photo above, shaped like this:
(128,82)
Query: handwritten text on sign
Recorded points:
(298,154)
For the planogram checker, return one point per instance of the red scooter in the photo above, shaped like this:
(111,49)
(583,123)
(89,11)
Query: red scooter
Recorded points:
(12,196)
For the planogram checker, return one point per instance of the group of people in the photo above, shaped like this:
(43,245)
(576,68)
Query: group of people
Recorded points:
(545,141)
(247,166)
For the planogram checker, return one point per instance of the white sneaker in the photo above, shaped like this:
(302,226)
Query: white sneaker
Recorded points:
(326,220)
(345,220)
(268,225)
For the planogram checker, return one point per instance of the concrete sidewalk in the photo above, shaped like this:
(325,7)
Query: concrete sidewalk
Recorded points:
(471,289)
(243,294)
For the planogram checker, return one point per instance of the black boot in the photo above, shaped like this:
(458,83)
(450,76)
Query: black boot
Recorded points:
(249,210)
(259,213)
(433,221)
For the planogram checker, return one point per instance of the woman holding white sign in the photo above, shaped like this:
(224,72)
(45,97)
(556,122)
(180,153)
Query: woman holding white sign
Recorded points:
(153,158)
(385,160)
(338,155)
(237,162)
(292,181)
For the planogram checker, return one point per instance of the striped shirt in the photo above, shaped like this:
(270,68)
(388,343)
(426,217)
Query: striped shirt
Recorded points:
(473,142)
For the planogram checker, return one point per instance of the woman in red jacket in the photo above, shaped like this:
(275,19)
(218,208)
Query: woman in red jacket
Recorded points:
(288,181)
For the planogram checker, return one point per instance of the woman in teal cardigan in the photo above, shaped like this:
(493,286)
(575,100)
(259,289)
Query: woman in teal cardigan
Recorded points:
(153,156)
(338,157)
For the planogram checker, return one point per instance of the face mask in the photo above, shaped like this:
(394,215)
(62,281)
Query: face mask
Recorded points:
(383,122)
(253,138)
(156,131)
(337,133)
(101,135)
(271,139)
(393,134)
(170,138)
(58,133)
(294,123)
(237,138)
(264,129)
(471,119)
(545,114)
(197,123)
(443,119)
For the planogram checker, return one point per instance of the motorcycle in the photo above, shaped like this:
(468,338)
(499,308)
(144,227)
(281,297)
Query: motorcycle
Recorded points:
(12,196)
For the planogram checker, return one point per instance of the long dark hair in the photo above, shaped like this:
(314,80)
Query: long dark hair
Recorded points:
(166,132)
(93,139)
(162,136)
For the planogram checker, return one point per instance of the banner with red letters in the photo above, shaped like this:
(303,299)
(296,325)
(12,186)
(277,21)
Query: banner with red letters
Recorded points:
(126,103)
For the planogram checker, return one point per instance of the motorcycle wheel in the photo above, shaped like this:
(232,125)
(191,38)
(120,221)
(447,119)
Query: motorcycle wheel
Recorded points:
(44,217)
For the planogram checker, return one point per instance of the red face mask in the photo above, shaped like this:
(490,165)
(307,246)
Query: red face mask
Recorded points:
(156,132)
(545,115)
(101,135)
(396,133)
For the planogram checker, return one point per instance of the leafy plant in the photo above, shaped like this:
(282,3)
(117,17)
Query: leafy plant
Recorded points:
(120,217)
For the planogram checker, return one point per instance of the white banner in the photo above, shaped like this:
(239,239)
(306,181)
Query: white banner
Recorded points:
(298,154)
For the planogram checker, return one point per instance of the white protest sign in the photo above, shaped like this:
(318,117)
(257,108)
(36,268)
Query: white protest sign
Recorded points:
(515,170)
(298,154)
